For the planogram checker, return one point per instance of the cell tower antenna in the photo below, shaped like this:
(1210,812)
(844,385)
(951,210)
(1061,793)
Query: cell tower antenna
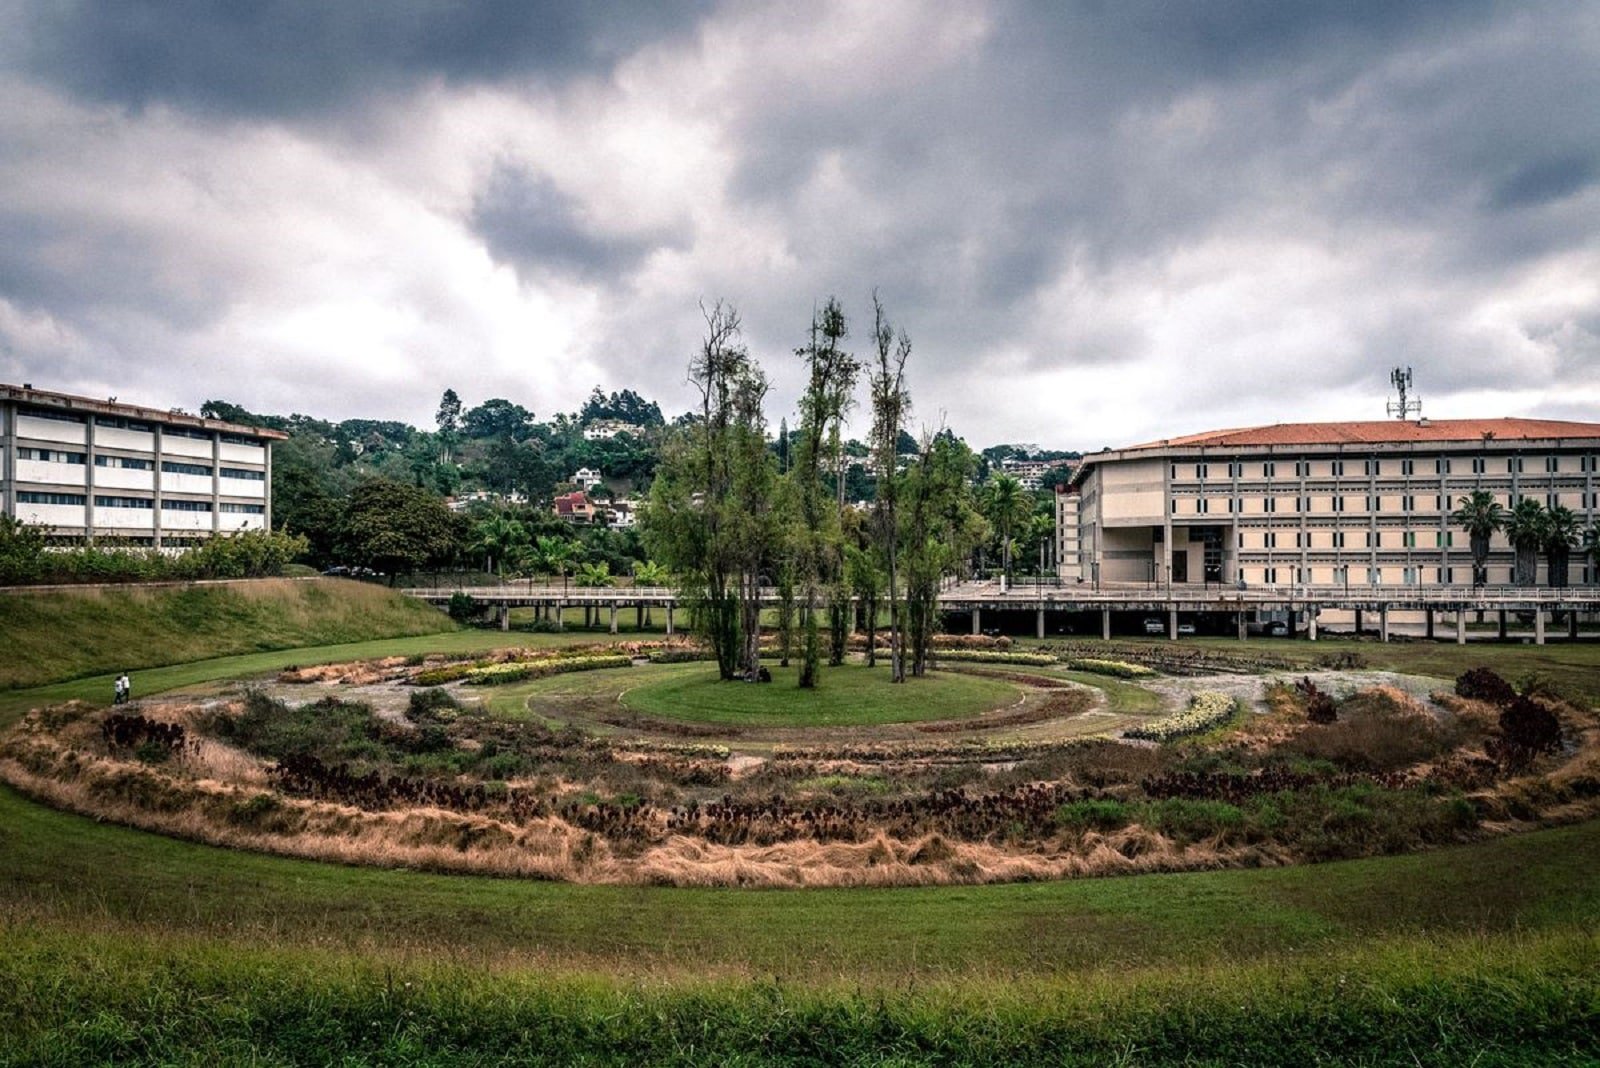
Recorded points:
(1400,378)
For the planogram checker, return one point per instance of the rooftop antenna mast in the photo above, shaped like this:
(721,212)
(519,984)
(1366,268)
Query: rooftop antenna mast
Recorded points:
(1400,378)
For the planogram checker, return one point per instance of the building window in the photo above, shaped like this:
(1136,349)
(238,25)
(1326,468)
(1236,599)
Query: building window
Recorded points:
(54,456)
(51,413)
(128,462)
(1269,574)
(1445,539)
(117,422)
(1373,467)
(1374,504)
(1199,470)
(1551,500)
(1301,468)
(1269,469)
(186,432)
(1200,506)
(1338,468)
(1409,540)
(1338,539)
(1269,505)
(1441,466)
(124,502)
(1338,504)
(1371,540)
(1514,464)
(1552,464)
(34,497)
(1373,575)
(244,509)
(186,506)
(1409,503)
(1408,467)
(1438,502)
(1586,463)
(1409,576)
(171,468)
(240,439)
(1478,465)
(1269,540)
(244,475)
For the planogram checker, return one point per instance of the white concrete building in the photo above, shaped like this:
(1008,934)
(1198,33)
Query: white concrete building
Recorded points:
(1364,503)
(587,478)
(605,429)
(88,469)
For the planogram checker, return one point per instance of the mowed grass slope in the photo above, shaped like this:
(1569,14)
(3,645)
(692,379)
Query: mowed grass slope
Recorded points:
(58,634)
(120,947)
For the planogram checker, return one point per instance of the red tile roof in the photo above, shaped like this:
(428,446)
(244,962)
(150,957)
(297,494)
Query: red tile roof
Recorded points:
(1380,432)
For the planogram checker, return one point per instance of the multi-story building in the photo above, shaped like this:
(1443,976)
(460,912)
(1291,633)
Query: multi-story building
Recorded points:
(1364,503)
(88,469)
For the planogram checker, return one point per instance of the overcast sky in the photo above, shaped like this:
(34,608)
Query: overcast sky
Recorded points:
(1100,222)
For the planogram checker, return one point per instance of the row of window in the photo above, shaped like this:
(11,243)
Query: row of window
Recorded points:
(172,467)
(1478,465)
(1369,539)
(54,456)
(143,503)
(1373,503)
(1409,576)
(127,463)
(117,422)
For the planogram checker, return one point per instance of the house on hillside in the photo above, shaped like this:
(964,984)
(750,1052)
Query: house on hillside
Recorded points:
(574,507)
(586,478)
(605,429)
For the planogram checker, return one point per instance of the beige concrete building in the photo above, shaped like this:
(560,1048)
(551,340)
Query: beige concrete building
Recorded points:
(88,469)
(1319,504)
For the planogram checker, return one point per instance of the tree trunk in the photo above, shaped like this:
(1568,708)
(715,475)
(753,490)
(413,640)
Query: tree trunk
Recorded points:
(1527,565)
(1560,558)
(1480,557)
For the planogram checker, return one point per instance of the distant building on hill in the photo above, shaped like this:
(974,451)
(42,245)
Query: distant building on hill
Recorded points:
(574,507)
(605,429)
(89,470)
(587,478)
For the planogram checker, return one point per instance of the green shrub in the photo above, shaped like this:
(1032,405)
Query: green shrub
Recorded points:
(1100,814)
(1118,668)
(1190,820)
(982,656)
(500,674)
(1207,709)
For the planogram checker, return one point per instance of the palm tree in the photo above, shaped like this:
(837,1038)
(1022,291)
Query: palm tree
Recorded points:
(497,537)
(556,556)
(1008,506)
(1561,533)
(1591,547)
(593,576)
(1525,529)
(651,574)
(1480,515)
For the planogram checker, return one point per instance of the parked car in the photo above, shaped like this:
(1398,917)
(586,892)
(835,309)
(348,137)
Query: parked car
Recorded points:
(1185,628)
(1277,629)
(1154,626)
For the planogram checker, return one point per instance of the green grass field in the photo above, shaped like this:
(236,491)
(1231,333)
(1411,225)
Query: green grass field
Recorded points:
(50,635)
(849,695)
(121,947)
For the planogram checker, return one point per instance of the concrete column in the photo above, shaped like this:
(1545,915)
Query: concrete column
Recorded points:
(1428,614)
(216,481)
(613,617)
(88,478)
(976,628)
(1172,624)
(1358,622)
(8,461)
(1038,622)
(266,500)
(1243,629)
(1572,623)
(1311,626)
(561,616)
(669,618)
(1383,623)
(1502,624)
(155,515)
(1538,626)
(1105,624)
(505,617)
(1461,626)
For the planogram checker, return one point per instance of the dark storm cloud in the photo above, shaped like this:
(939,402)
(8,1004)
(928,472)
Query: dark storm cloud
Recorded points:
(290,57)
(526,221)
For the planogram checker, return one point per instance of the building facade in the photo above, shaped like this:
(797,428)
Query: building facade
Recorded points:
(1363,503)
(89,470)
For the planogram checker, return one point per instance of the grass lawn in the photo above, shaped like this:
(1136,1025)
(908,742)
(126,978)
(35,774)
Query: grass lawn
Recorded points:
(850,695)
(122,947)
(97,689)
(50,635)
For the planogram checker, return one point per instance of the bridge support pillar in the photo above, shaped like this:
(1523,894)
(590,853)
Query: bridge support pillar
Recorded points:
(1358,622)
(1311,625)
(1243,629)
(669,619)
(1428,615)
(1172,624)
(1538,626)
(1383,623)
(1461,626)
(1105,624)
(1502,634)
(1038,623)
(977,627)
(613,617)
(561,615)
(505,617)
(1572,623)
